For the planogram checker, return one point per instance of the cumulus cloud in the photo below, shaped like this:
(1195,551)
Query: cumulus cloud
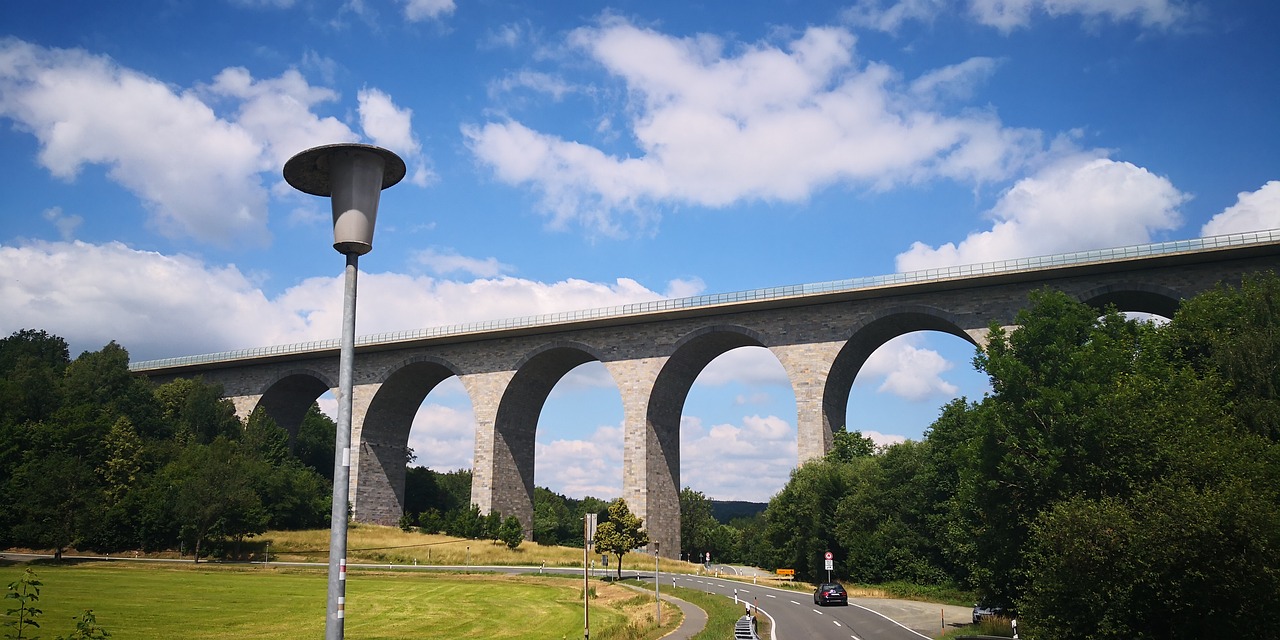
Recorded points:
(1253,211)
(277,112)
(1079,201)
(908,370)
(155,305)
(443,437)
(390,126)
(764,123)
(162,306)
(577,468)
(66,224)
(445,261)
(715,459)
(419,10)
(750,365)
(1008,15)
(86,109)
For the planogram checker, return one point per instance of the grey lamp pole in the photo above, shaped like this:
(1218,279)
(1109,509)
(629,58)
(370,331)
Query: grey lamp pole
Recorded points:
(353,177)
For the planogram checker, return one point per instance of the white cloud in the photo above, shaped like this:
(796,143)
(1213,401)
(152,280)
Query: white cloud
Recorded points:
(1253,211)
(771,123)
(86,109)
(444,437)
(154,305)
(392,127)
(715,460)
(66,224)
(162,306)
(873,14)
(278,113)
(750,365)
(1079,201)
(908,371)
(418,10)
(447,261)
(883,439)
(1007,15)
(578,468)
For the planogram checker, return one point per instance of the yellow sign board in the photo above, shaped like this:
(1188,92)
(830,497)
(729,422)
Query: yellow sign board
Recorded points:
(786,572)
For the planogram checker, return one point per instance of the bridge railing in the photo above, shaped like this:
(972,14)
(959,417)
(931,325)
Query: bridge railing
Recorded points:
(735,297)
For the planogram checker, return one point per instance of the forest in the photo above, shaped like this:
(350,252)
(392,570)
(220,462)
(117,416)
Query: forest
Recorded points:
(1120,480)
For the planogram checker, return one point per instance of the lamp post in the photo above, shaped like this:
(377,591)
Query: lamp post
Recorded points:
(352,176)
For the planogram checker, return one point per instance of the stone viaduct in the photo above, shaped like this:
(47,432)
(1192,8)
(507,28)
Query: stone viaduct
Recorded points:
(820,333)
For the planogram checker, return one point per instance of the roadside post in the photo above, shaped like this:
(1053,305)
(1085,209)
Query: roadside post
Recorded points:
(588,536)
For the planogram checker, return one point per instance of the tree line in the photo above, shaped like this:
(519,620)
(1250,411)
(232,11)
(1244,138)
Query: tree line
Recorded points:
(1120,479)
(95,457)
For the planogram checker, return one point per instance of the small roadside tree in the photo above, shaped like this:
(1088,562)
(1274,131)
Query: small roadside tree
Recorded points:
(511,532)
(621,533)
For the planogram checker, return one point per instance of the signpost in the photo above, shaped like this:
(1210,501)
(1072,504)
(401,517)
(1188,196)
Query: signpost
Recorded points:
(830,565)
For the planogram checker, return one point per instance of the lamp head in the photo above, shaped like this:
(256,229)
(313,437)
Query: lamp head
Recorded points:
(353,176)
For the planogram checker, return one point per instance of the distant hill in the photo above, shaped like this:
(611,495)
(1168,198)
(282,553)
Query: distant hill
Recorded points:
(725,510)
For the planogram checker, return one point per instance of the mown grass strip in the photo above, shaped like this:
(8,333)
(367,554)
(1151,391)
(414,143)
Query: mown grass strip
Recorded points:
(218,601)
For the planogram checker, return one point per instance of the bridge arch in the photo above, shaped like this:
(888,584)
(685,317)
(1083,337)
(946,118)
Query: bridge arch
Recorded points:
(516,424)
(1137,297)
(661,489)
(381,437)
(867,336)
(286,397)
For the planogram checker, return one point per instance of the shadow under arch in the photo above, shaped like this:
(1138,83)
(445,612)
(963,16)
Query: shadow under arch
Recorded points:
(287,398)
(693,352)
(516,424)
(1136,297)
(383,436)
(865,339)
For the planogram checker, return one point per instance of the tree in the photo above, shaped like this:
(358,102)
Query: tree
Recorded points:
(847,446)
(313,444)
(511,532)
(697,525)
(213,496)
(58,501)
(31,371)
(621,533)
(800,522)
(197,411)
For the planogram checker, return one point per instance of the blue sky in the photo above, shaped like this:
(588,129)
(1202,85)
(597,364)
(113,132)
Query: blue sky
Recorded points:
(581,154)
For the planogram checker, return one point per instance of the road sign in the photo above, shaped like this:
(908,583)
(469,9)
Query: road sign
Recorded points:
(591,528)
(708,556)
(830,561)
(829,556)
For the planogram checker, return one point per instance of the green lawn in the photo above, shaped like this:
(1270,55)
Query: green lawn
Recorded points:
(212,601)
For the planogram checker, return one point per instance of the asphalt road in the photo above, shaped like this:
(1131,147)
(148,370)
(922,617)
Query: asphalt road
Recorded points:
(794,615)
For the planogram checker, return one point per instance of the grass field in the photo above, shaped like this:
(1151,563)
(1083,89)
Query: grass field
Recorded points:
(137,600)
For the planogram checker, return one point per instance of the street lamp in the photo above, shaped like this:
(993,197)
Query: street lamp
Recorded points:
(353,177)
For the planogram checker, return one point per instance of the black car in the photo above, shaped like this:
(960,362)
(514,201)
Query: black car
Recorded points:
(984,610)
(830,593)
